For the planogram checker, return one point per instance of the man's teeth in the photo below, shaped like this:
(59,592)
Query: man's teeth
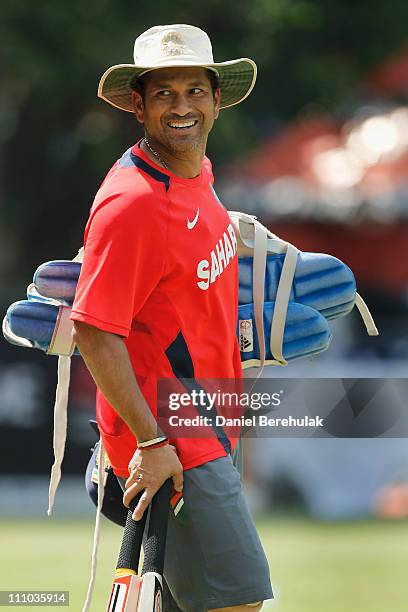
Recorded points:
(184,124)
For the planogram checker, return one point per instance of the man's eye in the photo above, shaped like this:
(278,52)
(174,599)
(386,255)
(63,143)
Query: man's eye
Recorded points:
(196,90)
(163,93)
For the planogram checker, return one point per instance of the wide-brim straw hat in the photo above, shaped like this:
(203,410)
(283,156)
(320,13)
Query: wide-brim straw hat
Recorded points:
(176,46)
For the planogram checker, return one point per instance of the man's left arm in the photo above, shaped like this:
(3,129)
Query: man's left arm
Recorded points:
(107,358)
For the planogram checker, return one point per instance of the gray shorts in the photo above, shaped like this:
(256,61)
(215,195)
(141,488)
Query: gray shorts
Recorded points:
(214,557)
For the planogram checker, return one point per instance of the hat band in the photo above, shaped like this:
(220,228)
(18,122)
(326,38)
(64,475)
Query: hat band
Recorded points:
(173,65)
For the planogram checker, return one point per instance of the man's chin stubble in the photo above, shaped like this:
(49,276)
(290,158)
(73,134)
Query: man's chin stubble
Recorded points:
(186,146)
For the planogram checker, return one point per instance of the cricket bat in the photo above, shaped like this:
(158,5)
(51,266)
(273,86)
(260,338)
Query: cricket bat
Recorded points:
(131,592)
(154,547)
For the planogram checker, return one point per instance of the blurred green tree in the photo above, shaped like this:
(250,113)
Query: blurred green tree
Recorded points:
(58,140)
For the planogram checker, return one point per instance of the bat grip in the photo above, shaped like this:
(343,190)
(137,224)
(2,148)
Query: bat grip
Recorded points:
(132,539)
(155,544)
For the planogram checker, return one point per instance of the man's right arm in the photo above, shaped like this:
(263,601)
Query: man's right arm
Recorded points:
(107,359)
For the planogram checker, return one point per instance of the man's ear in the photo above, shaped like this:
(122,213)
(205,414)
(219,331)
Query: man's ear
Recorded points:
(217,101)
(138,106)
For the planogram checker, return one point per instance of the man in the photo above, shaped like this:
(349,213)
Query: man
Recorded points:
(157,299)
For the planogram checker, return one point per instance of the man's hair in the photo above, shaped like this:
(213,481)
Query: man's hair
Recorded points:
(138,84)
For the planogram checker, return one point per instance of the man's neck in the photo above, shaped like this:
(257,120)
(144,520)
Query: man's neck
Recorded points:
(186,166)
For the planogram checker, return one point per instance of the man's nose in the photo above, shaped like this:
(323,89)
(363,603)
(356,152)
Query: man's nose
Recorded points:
(181,105)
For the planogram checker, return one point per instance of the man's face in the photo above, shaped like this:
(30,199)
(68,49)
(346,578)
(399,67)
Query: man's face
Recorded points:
(179,108)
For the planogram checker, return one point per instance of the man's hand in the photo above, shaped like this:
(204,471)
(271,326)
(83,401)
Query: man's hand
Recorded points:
(149,469)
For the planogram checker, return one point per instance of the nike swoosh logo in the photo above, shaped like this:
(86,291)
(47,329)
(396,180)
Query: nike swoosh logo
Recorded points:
(191,224)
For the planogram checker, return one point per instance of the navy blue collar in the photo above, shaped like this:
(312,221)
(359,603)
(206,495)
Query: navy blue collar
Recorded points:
(150,170)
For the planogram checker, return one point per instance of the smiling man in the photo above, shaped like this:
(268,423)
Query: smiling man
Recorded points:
(179,138)
(157,299)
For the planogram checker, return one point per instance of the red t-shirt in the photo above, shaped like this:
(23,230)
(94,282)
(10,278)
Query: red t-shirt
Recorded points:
(160,269)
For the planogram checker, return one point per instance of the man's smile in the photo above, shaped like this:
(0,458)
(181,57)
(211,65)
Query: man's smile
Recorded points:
(182,125)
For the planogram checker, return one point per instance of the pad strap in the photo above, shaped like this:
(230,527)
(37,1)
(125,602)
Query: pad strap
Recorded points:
(60,426)
(258,286)
(62,342)
(281,303)
(60,414)
(97,529)
(366,316)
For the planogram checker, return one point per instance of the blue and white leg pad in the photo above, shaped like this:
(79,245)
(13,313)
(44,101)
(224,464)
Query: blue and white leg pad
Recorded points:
(321,281)
(306,333)
(274,277)
(42,321)
(323,288)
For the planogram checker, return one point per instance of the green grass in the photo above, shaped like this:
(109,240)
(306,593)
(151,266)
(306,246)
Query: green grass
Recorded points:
(315,567)
(346,567)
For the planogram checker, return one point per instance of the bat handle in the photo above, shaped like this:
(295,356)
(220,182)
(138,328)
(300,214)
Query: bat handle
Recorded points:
(155,543)
(132,539)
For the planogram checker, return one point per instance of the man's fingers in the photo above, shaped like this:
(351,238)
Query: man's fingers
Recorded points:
(131,492)
(178,482)
(134,477)
(143,504)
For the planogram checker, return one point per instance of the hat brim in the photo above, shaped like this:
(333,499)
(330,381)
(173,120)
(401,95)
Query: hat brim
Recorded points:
(236,78)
